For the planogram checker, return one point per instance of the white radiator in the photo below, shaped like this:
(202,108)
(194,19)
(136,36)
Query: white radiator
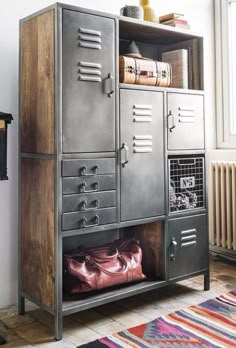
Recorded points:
(222,205)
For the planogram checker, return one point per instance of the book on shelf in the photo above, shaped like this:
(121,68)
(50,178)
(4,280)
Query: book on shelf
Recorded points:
(175,21)
(194,47)
(180,26)
(179,62)
(170,16)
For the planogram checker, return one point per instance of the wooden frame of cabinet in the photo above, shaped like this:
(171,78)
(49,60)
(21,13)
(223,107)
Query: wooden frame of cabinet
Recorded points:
(45,148)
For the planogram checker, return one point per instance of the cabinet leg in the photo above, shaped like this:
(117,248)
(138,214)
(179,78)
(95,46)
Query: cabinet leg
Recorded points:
(206,281)
(21,305)
(58,326)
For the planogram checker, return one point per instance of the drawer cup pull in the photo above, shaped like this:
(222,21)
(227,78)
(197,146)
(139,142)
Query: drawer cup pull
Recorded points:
(85,220)
(84,169)
(84,185)
(84,205)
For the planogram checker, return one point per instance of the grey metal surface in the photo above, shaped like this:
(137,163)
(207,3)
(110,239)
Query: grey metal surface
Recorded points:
(94,130)
(87,167)
(141,117)
(160,89)
(185,121)
(187,245)
(88,201)
(87,219)
(88,184)
(88,106)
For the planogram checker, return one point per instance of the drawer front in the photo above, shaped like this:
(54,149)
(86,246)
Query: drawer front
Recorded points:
(85,202)
(185,121)
(93,218)
(88,167)
(188,245)
(88,184)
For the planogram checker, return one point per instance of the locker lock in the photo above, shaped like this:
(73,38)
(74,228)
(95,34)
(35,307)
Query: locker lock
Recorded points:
(171,121)
(173,247)
(109,85)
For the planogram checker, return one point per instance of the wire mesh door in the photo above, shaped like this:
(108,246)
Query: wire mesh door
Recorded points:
(186,183)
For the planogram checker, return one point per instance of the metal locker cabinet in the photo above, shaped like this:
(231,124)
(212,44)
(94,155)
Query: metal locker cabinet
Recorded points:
(187,243)
(141,154)
(88,70)
(185,121)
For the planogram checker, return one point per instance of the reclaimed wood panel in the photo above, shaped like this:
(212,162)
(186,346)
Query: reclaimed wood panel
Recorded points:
(37,84)
(37,250)
(151,241)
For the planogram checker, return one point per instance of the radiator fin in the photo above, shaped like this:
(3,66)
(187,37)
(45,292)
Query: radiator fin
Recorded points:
(222,203)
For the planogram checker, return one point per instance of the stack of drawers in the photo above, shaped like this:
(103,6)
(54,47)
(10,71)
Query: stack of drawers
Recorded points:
(89,193)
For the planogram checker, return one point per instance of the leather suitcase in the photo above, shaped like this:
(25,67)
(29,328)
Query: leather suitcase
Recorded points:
(142,71)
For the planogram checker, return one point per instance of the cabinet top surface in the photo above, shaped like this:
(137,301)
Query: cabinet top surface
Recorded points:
(125,22)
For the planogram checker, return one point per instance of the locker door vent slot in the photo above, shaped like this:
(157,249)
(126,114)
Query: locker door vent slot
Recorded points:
(142,113)
(90,39)
(188,238)
(90,71)
(142,144)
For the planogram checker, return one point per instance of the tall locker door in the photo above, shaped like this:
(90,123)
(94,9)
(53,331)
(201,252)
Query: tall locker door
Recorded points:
(141,154)
(88,69)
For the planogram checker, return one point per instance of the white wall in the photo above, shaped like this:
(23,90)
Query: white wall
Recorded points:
(200,16)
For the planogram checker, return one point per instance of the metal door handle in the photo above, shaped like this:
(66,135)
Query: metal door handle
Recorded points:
(126,149)
(173,247)
(84,220)
(84,185)
(84,169)
(84,205)
(108,85)
(171,118)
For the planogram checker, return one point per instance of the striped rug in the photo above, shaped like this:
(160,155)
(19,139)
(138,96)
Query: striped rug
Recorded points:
(209,324)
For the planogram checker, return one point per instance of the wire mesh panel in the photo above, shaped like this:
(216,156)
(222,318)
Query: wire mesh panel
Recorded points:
(186,183)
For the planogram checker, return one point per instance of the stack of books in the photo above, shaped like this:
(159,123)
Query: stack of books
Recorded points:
(174,20)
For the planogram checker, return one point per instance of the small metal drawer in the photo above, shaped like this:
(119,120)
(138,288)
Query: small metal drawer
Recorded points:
(93,218)
(71,203)
(88,167)
(88,184)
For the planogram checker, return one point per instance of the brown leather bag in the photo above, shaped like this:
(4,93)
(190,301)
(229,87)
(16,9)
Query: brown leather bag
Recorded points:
(101,267)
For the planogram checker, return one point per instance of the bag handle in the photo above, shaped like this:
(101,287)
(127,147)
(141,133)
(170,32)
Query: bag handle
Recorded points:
(92,261)
(93,253)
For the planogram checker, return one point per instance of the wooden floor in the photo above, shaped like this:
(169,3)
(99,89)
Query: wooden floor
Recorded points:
(36,327)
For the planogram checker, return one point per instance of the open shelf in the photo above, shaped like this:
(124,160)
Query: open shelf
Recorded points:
(91,301)
(152,33)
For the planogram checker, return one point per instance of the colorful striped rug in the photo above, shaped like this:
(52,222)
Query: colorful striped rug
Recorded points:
(209,324)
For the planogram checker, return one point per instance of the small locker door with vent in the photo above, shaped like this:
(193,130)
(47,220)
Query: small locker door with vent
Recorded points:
(185,121)
(141,154)
(188,246)
(88,68)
